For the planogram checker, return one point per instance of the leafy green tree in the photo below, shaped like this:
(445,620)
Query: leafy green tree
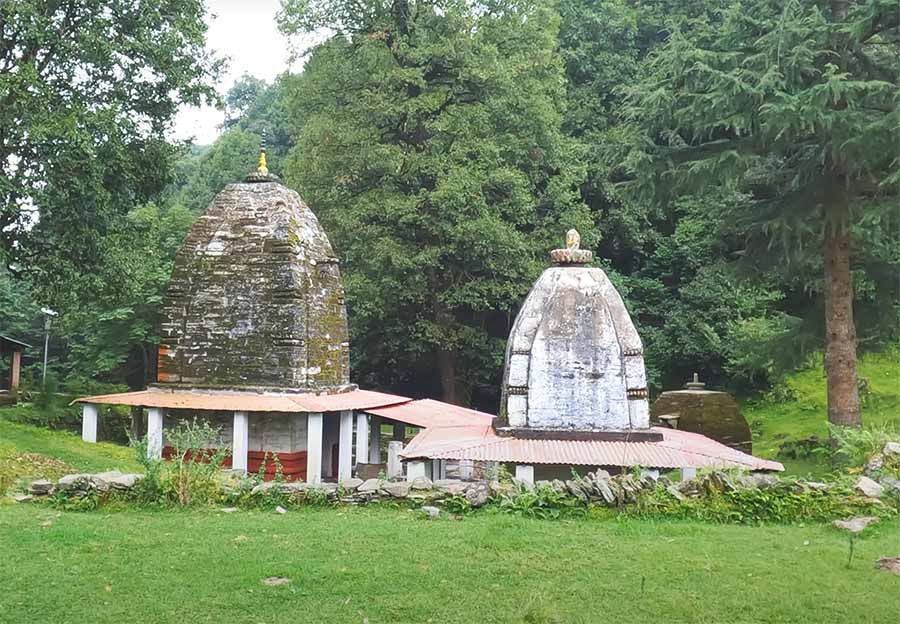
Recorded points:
(87,90)
(794,106)
(240,97)
(430,145)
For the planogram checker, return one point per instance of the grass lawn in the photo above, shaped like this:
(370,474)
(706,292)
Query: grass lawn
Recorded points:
(805,414)
(31,452)
(388,565)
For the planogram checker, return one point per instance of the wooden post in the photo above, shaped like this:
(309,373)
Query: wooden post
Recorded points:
(14,371)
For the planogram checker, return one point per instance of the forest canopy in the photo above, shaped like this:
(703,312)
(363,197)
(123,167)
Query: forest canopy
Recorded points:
(733,164)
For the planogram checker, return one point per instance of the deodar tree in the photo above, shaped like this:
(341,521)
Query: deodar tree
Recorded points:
(428,142)
(794,105)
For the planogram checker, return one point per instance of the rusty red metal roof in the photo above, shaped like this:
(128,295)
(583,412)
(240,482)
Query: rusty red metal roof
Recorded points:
(248,401)
(678,449)
(431,413)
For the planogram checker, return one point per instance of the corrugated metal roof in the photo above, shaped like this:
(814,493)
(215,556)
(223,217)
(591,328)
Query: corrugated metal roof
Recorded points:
(431,413)
(14,341)
(248,401)
(678,449)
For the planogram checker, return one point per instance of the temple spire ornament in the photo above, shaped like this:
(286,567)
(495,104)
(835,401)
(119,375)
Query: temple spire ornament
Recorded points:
(573,253)
(262,169)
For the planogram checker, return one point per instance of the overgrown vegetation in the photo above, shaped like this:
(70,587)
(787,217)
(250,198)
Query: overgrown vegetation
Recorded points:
(789,423)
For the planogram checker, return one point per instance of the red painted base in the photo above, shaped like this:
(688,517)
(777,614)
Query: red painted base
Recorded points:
(293,465)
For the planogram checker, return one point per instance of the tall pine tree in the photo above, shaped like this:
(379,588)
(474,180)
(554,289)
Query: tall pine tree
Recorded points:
(795,105)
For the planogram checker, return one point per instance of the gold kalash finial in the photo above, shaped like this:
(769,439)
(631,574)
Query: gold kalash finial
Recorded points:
(262,169)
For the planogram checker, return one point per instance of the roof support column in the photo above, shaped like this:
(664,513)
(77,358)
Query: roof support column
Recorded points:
(688,473)
(525,473)
(394,465)
(345,446)
(14,371)
(399,432)
(362,438)
(314,447)
(89,422)
(415,469)
(375,440)
(240,441)
(154,432)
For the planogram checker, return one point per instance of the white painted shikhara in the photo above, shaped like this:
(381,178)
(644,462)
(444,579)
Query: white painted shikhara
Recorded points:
(573,356)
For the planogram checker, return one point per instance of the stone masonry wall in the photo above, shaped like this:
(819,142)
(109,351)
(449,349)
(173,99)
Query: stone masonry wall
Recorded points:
(255,297)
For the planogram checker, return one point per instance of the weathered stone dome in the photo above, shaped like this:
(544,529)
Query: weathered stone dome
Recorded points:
(574,360)
(255,299)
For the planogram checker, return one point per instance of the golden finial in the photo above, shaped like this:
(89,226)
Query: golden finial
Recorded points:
(262,169)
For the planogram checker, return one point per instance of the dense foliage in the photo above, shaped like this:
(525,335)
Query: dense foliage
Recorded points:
(704,149)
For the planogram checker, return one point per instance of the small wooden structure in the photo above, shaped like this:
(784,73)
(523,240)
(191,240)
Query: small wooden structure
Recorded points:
(12,349)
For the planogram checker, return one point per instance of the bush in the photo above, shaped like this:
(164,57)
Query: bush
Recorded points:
(854,447)
(788,501)
(193,475)
(543,501)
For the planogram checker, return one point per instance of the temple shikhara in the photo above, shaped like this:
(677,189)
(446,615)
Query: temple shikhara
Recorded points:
(254,340)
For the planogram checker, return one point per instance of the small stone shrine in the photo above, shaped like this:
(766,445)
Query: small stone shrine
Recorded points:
(711,413)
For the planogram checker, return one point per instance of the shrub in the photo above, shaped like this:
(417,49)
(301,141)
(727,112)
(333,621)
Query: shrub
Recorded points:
(788,501)
(194,471)
(543,501)
(854,447)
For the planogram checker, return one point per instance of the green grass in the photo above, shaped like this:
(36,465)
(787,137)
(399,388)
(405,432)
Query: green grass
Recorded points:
(17,440)
(803,413)
(388,565)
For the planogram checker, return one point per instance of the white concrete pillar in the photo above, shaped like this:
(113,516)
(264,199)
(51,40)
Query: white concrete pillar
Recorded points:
(362,438)
(89,422)
(688,473)
(154,432)
(345,447)
(652,473)
(240,441)
(525,473)
(415,469)
(394,465)
(375,440)
(314,447)
(466,469)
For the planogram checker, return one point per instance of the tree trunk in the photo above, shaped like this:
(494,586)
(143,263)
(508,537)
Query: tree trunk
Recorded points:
(840,331)
(446,362)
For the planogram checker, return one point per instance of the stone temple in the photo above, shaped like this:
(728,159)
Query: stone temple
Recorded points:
(255,299)
(255,341)
(574,394)
(574,360)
